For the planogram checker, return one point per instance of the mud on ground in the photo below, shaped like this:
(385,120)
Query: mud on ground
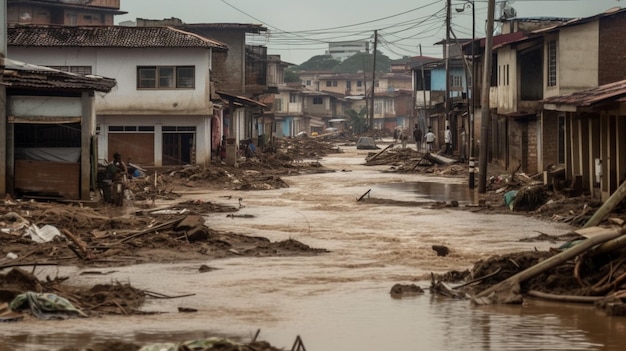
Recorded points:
(103,237)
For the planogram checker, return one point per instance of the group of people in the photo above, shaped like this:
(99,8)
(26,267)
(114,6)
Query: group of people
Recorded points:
(430,139)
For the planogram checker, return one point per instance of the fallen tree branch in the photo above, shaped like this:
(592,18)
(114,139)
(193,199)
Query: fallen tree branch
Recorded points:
(479,279)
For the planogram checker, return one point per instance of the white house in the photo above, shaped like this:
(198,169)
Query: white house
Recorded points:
(160,113)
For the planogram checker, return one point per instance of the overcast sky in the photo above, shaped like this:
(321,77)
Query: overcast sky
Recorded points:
(300,29)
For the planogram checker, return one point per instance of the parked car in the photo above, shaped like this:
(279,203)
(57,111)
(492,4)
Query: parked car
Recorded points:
(366,143)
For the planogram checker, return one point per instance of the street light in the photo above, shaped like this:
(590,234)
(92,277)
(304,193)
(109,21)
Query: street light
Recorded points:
(470,4)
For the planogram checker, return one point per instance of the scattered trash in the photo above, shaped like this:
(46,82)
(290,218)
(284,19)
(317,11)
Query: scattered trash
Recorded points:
(46,306)
(44,234)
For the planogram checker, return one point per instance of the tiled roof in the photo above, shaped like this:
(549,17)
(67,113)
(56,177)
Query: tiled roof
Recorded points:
(107,36)
(22,75)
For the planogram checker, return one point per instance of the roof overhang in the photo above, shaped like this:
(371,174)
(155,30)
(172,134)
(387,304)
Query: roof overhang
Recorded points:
(241,100)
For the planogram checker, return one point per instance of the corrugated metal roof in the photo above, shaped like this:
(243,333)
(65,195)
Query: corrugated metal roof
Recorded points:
(22,75)
(588,97)
(107,36)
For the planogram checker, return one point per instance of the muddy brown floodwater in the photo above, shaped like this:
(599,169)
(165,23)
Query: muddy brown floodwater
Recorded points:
(339,300)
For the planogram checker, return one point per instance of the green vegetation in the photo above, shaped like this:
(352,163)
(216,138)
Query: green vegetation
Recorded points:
(358,120)
(360,62)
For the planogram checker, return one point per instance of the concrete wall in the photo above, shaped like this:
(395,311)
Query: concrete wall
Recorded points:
(508,87)
(577,57)
(121,64)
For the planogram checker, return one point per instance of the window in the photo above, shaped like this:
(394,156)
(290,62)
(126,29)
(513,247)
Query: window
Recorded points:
(552,63)
(317,100)
(72,19)
(334,83)
(494,71)
(456,81)
(165,77)
(329,83)
(131,129)
(83,70)
(278,104)
(293,98)
(359,83)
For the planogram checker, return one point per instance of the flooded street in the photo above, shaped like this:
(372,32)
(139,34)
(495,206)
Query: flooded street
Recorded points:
(339,300)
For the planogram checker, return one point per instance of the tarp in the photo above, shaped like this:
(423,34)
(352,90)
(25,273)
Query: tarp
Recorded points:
(46,306)
(54,154)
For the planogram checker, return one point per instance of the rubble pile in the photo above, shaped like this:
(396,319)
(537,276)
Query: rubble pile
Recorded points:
(39,233)
(263,171)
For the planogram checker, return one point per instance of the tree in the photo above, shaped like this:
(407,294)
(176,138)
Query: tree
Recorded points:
(362,62)
(319,63)
(291,76)
(357,120)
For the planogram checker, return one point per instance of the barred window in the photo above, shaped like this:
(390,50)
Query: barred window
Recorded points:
(552,63)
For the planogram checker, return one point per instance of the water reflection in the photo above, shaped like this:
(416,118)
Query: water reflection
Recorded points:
(363,317)
(435,191)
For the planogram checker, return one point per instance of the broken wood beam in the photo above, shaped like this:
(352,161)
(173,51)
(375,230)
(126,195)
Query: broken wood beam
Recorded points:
(86,253)
(436,159)
(380,153)
(606,208)
(558,259)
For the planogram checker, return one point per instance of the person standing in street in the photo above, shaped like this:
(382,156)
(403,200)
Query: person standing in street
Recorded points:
(417,135)
(430,139)
(448,140)
(403,138)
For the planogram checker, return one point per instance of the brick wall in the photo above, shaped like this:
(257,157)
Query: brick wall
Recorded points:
(612,54)
(550,140)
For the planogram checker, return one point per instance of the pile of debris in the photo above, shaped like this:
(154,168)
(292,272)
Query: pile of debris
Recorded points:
(286,157)
(407,160)
(590,267)
(39,233)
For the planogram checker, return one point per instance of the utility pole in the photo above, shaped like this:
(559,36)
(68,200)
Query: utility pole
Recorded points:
(485,119)
(371,115)
(472,124)
(447,62)
(424,112)
(3,100)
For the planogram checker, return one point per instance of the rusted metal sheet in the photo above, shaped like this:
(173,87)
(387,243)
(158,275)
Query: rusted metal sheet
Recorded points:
(22,75)
(48,179)
(584,98)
